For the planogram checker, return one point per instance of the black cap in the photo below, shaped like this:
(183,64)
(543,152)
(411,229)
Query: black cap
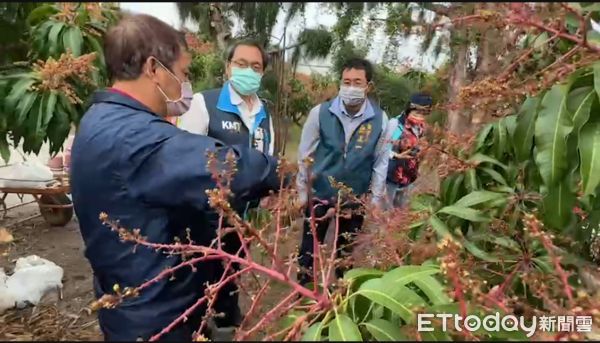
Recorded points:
(421,100)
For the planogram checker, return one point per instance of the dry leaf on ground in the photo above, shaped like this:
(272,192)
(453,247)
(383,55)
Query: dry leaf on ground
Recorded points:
(5,236)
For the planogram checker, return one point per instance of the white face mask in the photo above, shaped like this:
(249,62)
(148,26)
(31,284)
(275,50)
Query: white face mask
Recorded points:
(352,96)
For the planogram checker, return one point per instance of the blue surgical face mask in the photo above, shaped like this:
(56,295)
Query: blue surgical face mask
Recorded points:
(245,80)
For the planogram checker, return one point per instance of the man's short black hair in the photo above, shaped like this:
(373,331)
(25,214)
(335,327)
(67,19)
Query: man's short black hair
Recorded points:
(249,42)
(359,64)
(128,45)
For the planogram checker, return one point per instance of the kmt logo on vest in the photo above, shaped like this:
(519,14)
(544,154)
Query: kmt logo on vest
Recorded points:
(363,134)
(231,125)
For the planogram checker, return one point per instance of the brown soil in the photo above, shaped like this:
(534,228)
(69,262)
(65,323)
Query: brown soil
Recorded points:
(63,246)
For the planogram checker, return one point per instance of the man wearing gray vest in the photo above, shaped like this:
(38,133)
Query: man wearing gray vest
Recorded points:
(234,114)
(346,137)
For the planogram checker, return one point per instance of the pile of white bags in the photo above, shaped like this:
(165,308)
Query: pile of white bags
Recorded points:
(33,277)
(28,174)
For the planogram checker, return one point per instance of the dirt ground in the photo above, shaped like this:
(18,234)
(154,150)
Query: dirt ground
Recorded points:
(63,246)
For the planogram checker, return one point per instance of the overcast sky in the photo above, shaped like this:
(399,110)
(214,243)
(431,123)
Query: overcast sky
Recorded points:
(315,16)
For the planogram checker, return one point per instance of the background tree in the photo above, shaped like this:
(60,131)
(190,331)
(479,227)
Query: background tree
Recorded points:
(14,26)
(46,95)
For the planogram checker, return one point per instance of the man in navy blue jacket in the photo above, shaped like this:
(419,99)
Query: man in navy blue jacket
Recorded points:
(131,163)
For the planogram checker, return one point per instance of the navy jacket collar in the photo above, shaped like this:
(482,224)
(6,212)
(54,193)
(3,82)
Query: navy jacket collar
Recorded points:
(120,99)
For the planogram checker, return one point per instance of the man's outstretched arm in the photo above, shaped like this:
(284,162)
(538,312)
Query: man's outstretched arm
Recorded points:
(173,171)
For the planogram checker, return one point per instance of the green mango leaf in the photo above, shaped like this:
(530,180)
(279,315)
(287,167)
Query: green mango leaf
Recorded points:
(480,254)
(433,289)
(16,94)
(417,224)
(552,128)
(58,128)
(32,139)
(343,329)
(523,138)
(24,107)
(481,158)
(494,175)
(502,189)
(358,276)
(511,125)
(4,149)
(439,227)
(423,202)
(403,275)
(518,336)
(465,213)
(471,180)
(97,47)
(40,114)
(289,319)
(597,78)
(544,264)
(362,272)
(435,336)
(313,333)
(501,241)
(590,6)
(73,40)
(50,106)
(55,31)
(384,331)
(361,308)
(558,205)
(399,299)
(583,98)
(589,151)
(40,14)
(541,40)
(478,197)
(501,139)
(482,136)
(451,186)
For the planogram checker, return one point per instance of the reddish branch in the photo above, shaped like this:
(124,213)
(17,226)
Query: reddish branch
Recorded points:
(520,17)
(534,225)
(184,316)
(255,301)
(274,274)
(272,314)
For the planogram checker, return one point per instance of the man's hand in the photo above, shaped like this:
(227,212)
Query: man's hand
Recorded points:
(403,155)
(268,202)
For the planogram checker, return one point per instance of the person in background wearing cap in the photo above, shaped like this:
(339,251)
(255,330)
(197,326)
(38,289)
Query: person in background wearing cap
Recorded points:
(403,168)
(234,114)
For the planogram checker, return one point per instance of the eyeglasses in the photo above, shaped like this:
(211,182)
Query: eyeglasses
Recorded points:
(257,67)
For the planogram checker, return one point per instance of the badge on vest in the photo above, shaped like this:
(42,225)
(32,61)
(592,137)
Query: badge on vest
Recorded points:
(363,135)
(259,139)
(228,125)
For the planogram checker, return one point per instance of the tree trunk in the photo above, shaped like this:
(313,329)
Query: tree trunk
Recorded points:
(219,25)
(458,119)
(488,52)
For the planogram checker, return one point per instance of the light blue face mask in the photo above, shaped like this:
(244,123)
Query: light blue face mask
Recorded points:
(245,80)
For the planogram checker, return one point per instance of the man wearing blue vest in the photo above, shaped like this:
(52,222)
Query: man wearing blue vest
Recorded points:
(346,137)
(235,115)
